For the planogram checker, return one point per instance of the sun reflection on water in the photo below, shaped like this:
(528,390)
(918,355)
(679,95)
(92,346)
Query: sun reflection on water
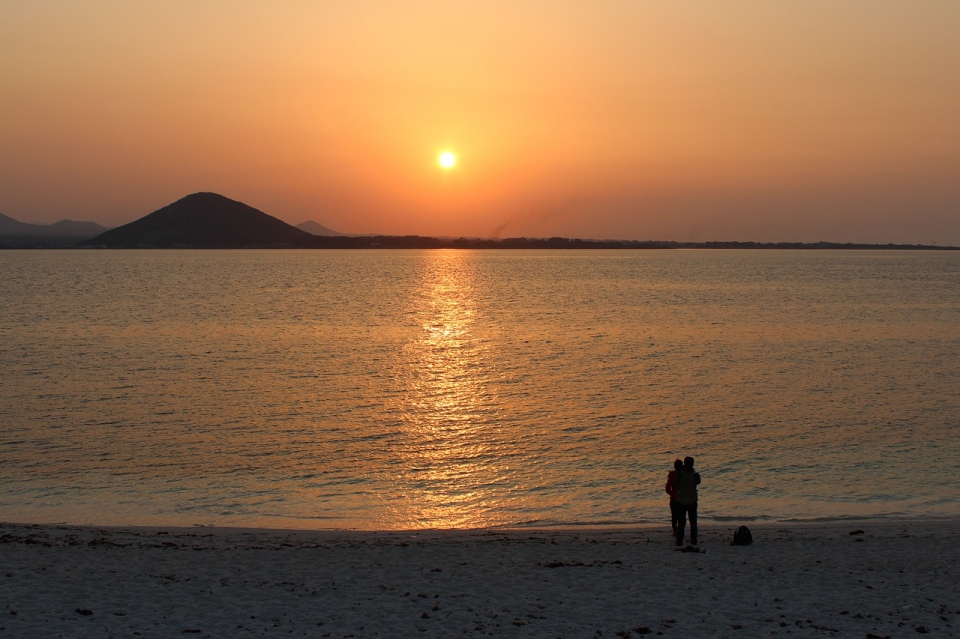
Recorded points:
(448,455)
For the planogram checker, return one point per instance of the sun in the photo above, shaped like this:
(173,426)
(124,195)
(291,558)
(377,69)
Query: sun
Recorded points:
(447,160)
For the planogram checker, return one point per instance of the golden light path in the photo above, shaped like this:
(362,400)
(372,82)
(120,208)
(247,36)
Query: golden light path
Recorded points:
(449,450)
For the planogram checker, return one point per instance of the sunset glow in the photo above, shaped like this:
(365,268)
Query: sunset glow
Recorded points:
(760,121)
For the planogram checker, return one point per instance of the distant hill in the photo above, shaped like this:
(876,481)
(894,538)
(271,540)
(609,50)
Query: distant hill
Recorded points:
(313,228)
(62,233)
(209,220)
(12,227)
(204,220)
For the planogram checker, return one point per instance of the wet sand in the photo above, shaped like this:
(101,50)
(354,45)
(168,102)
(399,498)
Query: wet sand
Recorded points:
(894,579)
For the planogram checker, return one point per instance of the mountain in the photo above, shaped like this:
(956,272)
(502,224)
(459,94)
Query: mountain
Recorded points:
(74,228)
(62,233)
(204,220)
(64,228)
(313,228)
(10,226)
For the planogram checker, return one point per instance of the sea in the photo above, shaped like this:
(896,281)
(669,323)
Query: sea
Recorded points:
(411,389)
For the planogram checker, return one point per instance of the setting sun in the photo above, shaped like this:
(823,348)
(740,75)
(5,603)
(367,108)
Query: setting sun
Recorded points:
(447,160)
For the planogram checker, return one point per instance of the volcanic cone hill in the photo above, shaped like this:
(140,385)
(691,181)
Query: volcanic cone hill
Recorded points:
(204,220)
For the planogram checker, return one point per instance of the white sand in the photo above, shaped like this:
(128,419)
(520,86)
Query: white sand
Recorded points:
(797,580)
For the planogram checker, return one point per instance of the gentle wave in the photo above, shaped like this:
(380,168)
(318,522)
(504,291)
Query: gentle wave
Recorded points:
(407,389)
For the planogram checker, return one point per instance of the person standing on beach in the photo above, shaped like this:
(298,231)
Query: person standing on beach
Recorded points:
(687,480)
(671,489)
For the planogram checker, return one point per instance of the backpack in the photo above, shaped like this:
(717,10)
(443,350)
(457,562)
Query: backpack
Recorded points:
(687,488)
(742,537)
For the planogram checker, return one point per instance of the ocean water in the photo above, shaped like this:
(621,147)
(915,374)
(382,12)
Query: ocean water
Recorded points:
(408,389)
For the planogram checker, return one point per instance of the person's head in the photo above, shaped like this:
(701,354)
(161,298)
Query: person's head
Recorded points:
(678,465)
(688,463)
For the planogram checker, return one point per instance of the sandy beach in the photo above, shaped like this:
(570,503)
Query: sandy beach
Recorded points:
(893,579)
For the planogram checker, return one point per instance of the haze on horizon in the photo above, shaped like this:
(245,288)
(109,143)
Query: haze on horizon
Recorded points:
(786,121)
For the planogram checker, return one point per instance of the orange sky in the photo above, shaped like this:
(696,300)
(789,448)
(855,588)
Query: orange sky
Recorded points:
(759,120)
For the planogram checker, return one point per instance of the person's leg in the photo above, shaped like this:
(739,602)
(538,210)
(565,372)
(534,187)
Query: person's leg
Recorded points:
(693,523)
(681,522)
(674,516)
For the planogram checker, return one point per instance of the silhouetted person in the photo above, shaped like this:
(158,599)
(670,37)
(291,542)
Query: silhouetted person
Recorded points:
(687,480)
(671,489)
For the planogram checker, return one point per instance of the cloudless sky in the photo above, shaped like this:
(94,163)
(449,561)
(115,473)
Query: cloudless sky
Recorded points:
(776,121)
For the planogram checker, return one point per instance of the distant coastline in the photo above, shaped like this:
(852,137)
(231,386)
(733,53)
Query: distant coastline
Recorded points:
(212,221)
(422,242)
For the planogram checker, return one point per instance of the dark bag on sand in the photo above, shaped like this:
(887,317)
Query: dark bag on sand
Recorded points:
(742,537)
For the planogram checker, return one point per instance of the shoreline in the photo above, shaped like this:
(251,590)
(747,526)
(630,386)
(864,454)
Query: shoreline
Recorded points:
(587,527)
(846,578)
